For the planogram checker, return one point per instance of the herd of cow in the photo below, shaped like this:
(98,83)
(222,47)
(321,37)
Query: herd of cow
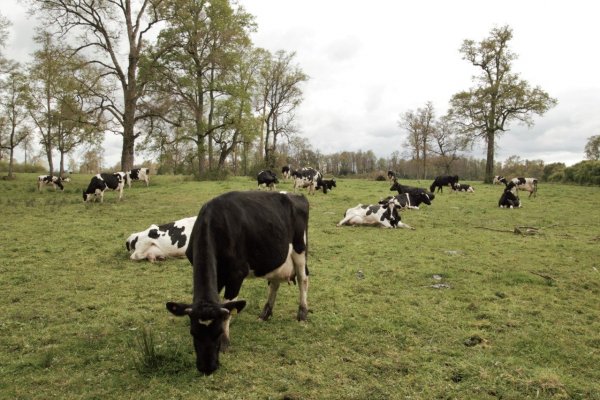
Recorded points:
(243,234)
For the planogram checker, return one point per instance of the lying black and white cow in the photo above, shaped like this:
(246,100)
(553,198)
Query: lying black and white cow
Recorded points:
(308,178)
(267,179)
(101,182)
(159,242)
(509,200)
(239,235)
(412,200)
(384,214)
(138,174)
(326,184)
(55,181)
(410,189)
(463,187)
(526,184)
(440,181)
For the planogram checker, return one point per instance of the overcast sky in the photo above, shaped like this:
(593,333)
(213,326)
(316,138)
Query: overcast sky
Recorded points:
(370,62)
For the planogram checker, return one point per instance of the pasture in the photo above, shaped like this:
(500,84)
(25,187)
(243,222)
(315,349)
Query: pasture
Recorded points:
(460,308)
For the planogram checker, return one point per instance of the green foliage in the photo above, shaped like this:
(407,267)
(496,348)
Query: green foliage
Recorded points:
(584,172)
(461,307)
(22,167)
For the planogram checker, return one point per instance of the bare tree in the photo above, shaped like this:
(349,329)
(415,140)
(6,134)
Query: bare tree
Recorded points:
(98,26)
(419,126)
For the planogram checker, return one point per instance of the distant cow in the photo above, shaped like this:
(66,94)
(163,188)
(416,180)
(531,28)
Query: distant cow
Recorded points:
(391,175)
(412,200)
(286,172)
(527,184)
(267,179)
(498,179)
(441,181)
(385,214)
(138,174)
(101,182)
(463,187)
(239,235)
(308,178)
(55,181)
(159,242)
(509,200)
(326,184)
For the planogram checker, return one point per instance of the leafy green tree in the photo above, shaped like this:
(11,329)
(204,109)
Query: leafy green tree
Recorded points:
(592,148)
(14,99)
(499,96)
(114,35)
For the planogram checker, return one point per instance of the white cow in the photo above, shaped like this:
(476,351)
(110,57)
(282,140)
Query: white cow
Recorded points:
(385,214)
(161,241)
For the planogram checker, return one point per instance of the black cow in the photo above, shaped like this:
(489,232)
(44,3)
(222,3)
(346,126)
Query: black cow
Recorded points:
(237,235)
(309,178)
(509,200)
(410,189)
(286,172)
(101,182)
(412,200)
(326,184)
(138,174)
(391,175)
(55,181)
(440,181)
(267,178)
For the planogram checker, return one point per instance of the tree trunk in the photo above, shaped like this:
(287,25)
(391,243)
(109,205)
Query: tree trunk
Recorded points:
(489,163)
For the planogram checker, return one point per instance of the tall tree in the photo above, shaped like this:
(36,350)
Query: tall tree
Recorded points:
(446,144)
(499,96)
(14,98)
(195,54)
(419,126)
(592,148)
(280,95)
(99,26)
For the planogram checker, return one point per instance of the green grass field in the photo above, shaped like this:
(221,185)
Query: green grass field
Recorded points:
(511,316)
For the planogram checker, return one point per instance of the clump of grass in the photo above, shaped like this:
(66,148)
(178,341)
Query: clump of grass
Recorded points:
(151,358)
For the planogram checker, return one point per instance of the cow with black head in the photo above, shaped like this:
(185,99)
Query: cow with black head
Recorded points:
(266,178)
(509,200)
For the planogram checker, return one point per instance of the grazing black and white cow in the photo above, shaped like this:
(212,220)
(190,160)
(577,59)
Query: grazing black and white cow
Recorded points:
(463,187)
(326,184)
(55,181)
(309,178)
(267,179)
(440,181)
(498,179)
(239,235)
(101,182)
(413,200)
(384,214)
(509,200)
(526,184)
(159,242)
(138,174)
(286,172)
(410,189)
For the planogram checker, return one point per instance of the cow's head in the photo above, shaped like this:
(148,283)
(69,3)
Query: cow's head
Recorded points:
(86,196)
(209,327)
(426,198)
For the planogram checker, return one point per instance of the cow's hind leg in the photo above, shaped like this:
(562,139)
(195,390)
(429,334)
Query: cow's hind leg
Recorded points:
(302,278)
(268,308)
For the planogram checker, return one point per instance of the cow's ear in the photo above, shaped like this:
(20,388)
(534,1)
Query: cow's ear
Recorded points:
(237,305)
(179,309)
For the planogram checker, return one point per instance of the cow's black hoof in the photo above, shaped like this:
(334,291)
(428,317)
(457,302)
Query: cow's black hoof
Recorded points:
(302,314)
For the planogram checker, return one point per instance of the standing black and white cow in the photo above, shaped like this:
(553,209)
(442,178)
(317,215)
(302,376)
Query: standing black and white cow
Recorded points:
(308,178)
(239,235)
(159,242)
(440,181)
(55,181)
(509,200)
(526,184)
(384,214)
(412,200)
(138,174)
(267,179)
(101,182)
(286,172)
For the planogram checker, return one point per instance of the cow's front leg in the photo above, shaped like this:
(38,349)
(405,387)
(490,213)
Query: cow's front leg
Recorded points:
(268,309)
